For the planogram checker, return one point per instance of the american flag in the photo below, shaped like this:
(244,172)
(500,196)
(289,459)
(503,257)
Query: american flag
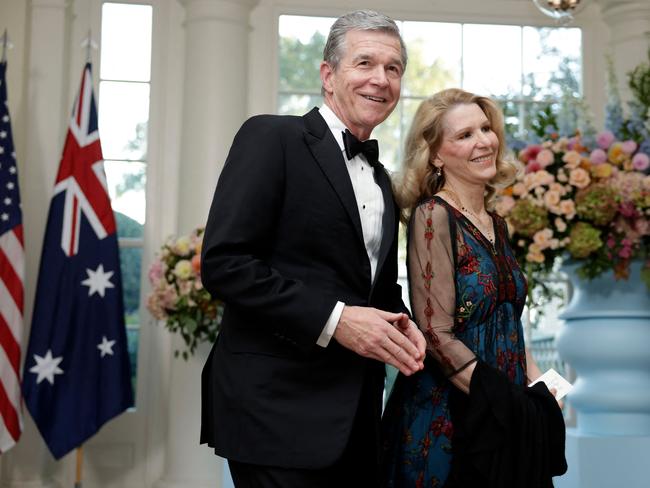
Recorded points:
(77,374)
(12,269)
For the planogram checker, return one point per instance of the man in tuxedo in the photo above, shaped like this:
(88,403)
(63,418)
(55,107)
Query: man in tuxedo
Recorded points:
(301,245)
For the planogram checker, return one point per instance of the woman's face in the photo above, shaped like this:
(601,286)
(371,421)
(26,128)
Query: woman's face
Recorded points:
(469,145)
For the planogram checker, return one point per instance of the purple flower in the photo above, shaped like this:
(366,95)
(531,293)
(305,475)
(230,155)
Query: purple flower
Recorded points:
(640,161)
(627,209)
(605,139)
(598,156)
(629,147)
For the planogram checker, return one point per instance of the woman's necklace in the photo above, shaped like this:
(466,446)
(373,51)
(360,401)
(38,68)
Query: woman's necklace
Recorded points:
(454,196)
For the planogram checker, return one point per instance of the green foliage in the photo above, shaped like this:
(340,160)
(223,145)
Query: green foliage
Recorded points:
(423,79)
(300,63)
(131,181)
(639,82)
(558,105)
(543,118)
(130,263)
(139,143)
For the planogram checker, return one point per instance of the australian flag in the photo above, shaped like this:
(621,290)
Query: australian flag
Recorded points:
(77,374)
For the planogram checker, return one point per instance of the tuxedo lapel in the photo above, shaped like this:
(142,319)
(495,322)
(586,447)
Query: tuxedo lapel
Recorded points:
(388,222)
(328,154)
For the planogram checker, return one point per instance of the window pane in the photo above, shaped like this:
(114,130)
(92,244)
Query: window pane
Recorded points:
(126,185)
(434,51)
(551,62)
(492,59)
(131,266)
(298,104)
(132,340)
(392,133)
(388,134)
(123,116)
(126,42)
(302,40)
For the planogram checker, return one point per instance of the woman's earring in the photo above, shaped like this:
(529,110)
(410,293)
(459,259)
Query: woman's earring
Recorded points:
(438,171)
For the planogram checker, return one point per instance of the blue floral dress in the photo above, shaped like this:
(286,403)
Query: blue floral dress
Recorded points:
(467,295)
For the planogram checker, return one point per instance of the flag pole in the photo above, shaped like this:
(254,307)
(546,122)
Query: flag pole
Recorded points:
(89,45)
(5,45)
(80,460)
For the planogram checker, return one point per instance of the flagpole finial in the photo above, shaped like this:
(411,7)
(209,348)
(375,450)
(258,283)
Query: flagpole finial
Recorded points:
(6,45)
(89,45)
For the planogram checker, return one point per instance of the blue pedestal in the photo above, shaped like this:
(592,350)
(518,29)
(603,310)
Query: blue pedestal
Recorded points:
(607,342)
(606,462)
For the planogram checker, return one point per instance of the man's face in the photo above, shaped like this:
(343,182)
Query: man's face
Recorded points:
(365,87)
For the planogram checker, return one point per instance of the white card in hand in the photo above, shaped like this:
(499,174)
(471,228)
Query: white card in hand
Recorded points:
(553,379)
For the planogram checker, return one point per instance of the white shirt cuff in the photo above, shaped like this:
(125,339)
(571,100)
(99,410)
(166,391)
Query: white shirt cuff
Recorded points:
(330,325)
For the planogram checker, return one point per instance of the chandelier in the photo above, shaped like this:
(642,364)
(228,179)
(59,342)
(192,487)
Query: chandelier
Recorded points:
(563,11)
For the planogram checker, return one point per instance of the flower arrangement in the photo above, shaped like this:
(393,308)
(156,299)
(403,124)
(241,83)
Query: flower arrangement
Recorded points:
(591,206)
(585,197)
(177,295)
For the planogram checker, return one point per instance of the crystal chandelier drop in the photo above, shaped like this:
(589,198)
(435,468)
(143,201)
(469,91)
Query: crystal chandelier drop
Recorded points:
(563,11)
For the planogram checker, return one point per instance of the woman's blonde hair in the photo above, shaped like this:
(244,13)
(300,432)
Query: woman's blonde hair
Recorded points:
(419,179)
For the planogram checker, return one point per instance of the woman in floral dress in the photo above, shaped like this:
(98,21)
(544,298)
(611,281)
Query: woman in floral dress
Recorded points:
(467,291)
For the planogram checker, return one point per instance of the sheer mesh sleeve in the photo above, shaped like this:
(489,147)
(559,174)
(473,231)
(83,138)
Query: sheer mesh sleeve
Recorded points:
(433,290)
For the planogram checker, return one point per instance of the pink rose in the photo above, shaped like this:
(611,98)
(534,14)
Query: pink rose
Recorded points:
(545,157)
(598,156)
(551,199)
(629,147)
(529,152)
(642,227)
(625,252)
(611,242)
(504,205)
(579,178)
(519,189)
(155,272)
(572,159)
(640,162)
(533,166)
(605,139)
(568,208)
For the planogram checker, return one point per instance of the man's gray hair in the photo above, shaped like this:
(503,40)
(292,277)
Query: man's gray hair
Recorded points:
(361,20)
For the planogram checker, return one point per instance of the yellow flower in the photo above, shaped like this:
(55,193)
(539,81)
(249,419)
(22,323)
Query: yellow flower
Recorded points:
(182,246)
(601,170)
(616,154)
(183,269)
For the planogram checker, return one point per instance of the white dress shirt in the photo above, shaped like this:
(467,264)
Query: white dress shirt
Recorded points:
(370,202)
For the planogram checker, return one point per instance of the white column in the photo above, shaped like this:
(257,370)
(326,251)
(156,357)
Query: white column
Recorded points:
(29,464)
(215,94)
(629,26)
(214,106)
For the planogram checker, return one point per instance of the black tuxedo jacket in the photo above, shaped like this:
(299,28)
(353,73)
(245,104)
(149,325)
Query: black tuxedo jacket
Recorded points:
(283,243)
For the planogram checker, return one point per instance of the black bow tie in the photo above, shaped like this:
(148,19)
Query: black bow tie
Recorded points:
(354,146)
